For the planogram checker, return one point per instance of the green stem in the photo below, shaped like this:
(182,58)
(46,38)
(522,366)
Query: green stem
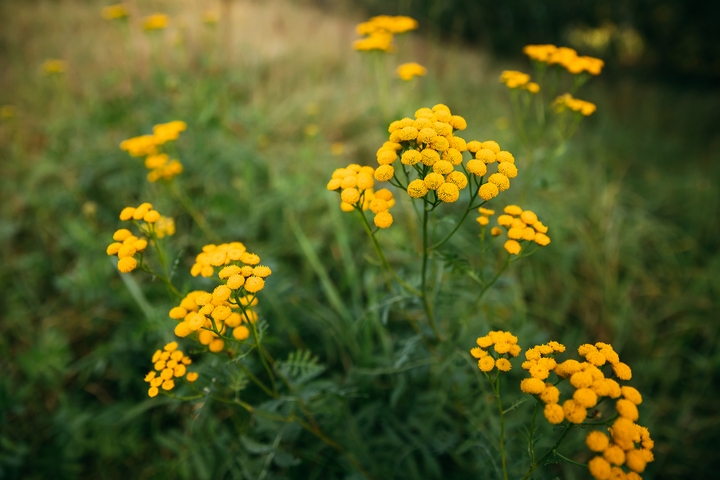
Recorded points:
(531,440)
(423,288)
(264,360)
(496,388)
(488,285)
(257,381)
(194,214)
(552,450)
(384,261)
(558,454)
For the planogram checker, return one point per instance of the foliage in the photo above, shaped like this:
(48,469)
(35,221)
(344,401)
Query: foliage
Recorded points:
(633,260)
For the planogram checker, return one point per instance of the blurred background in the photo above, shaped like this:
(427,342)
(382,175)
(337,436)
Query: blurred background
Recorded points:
(275,98)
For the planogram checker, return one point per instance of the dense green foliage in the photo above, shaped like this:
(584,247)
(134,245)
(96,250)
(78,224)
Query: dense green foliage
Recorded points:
(632,204)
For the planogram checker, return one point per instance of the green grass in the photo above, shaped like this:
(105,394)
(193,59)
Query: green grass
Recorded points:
(632,205)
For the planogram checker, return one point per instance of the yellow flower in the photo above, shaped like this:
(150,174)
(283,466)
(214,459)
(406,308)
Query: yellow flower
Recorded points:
(599,468)
(477,168)
(157,21)
(383,173)
(114,12)
(597,441)
(54,66)
(488,191)
(417,189)
(408,71)
(503,364)
(554,413)
(254,284)
(434,180)
(486,363)
(383,220)
(534,386)
(447,192)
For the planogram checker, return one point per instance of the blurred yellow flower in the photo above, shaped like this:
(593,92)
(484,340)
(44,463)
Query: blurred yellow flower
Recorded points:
(114,12)
(54,66)
(7,111)
(210,17)
(157,21)
(408,71)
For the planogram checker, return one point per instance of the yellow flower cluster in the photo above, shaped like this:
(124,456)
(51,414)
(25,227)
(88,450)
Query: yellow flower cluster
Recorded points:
(114,12)
(159,164)
(575,104)
(164,227)
(428,145)
(171,363)
(505,346)
(379,32)
(54,66)
(212,313)
(515,79)
(156,21)
(590,384)
(539,363)
(220,255)
(566,57)
(408,71)
(355,186)
(484,218)
(522,226)
(125,244)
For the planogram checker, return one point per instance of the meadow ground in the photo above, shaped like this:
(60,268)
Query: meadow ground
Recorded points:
(632,203)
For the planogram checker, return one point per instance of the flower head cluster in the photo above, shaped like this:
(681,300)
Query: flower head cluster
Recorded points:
(629,444)
(126,245)
(566,57)
(210,314)
(515,79)
(484,218)
(429,147)
(408,71)
(504,346)
(220,255)
(114,12)
(379,32)
(522,226)
(355,186)
(566,101)
(171,363)
(156,21)
(150,146)
(54,66)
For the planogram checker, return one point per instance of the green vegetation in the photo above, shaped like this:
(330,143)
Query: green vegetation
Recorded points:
(632,205)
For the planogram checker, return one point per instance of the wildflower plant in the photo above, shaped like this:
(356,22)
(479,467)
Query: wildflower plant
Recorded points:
(426,159)
(621,447)
(542,114)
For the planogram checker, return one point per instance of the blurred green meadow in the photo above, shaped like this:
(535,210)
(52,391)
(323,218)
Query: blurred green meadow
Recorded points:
(275,99)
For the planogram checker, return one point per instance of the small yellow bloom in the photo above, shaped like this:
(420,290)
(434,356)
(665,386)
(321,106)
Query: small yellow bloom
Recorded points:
(157,21)
(408,71)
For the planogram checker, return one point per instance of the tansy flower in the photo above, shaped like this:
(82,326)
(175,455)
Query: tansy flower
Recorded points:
(157,21)
(408,71)
(169,363)
(54,66)
(114,12)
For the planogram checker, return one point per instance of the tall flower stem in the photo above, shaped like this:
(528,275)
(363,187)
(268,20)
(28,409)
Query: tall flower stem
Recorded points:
(423,289)
(496,389)
(384,261)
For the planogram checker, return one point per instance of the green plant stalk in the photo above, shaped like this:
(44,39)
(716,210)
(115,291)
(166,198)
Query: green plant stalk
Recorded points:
(549,452)
(257,381)
(194,214)
(384,261)
(531,440)
(423,287)
(496,389)
(263,359)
